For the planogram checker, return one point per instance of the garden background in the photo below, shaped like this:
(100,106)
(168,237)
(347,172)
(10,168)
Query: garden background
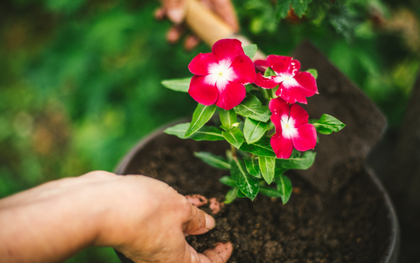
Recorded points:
(80,79)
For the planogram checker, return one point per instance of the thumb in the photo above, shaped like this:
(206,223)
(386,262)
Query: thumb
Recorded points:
(198,222)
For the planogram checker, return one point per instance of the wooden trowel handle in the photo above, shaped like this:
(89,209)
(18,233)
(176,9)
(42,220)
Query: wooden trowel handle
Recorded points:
(211,28)
(207,25)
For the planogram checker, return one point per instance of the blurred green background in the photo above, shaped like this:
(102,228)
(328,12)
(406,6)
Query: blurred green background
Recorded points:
(80,79)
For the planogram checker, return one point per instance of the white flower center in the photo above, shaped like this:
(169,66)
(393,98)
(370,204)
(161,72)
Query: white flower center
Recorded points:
(287,80)
(288,127)
(220,74)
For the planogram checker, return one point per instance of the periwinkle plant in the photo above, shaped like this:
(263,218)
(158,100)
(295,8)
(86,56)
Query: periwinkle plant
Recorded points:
(269,133)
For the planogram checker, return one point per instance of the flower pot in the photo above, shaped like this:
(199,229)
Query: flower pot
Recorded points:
(359,222)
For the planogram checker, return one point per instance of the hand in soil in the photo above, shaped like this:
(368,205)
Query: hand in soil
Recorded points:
(149,220)
(143,218)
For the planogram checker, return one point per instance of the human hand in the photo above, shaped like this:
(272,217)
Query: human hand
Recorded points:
(175,11)
(156,230)
(144,218)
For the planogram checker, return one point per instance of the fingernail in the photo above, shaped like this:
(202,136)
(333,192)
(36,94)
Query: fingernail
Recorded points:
(210,222)
(176,15)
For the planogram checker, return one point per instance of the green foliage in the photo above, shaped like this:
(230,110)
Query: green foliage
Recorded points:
(213,160)
(228,119)
(252,167)
(234,137)
(201,116)
(267,167)
(227,180)
(269,72)
(313,72)
(206,133)
(250,50)
(327,124)
(254,130)
(260,148)
(246,183)
(251,107)
(300,162)
(231,195)
(181,85)
(284,187)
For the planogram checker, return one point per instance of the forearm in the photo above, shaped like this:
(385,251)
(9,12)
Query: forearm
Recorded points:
(47,229)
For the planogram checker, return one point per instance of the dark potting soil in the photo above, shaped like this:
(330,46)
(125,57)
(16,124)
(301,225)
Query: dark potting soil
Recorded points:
(311,227)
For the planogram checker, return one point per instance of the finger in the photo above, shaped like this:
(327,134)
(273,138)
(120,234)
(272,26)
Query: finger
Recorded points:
(199,222)
(191,42)
(175,10)
(220,254)
(159,14)
(225,9)
(197,200)
(174,33)
(215,205)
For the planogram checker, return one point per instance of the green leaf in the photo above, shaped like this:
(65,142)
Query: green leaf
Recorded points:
(327,124)
(269,191)
(269,72)
(201,116)
(300,6)
(251,108)
(252,167)
(228,118)
(250,50)
(260,148)
(313,72)
(267,167)
(213,160)
(206,133)
(283,8)
(241,195)
(231,195)
(181,85)
(248,184)
(284,187)
(301,163)
(227,180)
(234,137)
(254,130)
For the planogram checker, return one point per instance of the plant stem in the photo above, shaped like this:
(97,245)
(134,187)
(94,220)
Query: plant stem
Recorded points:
(233,150)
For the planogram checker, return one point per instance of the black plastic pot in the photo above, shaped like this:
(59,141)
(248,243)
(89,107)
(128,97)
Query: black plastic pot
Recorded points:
(388,235)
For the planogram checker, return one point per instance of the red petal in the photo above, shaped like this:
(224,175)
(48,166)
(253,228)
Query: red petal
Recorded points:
(299,115)
(307,82)
(306,138)
(199,65)
(244,69)
(231,95)
(282,147)
(280,64)
(202,92)
(279,108)
(261,65)
(227,49)
(266,83)
(294,67)
(291,94)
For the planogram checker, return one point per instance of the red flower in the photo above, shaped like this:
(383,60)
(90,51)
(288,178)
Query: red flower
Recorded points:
(294,86)
(292,128)
(220,75)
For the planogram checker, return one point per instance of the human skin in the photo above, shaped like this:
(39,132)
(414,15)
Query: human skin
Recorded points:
(143,218)
(175,10)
